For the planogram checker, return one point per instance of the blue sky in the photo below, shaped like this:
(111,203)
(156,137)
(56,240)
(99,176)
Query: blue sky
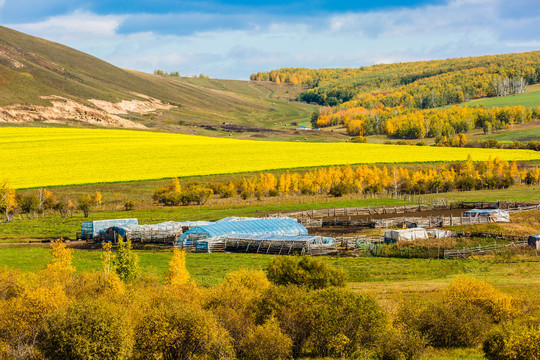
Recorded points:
(233,38)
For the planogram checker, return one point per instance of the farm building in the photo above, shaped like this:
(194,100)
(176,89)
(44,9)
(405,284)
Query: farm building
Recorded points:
(166,232)
(92,229)
(405,235)
(279,244)
(534,241)
(163,232)
(214,233)
(494,215)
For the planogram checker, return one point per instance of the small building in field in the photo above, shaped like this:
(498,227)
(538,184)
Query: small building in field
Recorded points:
(493,215)
(534,241)
(392,236)
(92,229)
(214,233)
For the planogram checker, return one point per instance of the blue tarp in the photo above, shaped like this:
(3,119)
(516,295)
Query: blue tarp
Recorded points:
(274,226)
(93,228)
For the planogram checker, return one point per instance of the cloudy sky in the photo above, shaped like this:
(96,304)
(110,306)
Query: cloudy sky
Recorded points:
(233,38)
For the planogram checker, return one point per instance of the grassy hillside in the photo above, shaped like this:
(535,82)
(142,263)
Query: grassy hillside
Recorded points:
(531,98)
(43,157)
(31,68)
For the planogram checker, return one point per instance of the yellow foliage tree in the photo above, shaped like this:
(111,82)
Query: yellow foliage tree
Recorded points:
(178,274)
(61,267)
(8,201)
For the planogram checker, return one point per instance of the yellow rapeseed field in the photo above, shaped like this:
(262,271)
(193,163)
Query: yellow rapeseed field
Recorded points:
(31,157)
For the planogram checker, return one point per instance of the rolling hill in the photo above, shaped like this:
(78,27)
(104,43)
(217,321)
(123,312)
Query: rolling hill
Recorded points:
(46,82)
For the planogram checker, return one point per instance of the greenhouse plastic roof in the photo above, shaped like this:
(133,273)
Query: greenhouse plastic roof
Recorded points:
(274,226)
(311,239)
(95,227)
(164,226)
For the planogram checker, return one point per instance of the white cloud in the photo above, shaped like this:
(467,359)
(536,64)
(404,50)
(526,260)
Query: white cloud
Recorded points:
(458,28)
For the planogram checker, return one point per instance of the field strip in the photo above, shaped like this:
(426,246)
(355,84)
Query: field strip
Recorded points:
(31,157)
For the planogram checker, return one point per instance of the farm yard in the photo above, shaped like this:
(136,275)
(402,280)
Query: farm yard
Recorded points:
(99,156)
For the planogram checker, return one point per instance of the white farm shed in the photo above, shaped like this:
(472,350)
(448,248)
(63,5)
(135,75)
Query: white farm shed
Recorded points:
(405,235)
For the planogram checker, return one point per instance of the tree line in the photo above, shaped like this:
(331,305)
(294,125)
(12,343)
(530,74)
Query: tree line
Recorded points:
(338,181)
(404,123)
(298,307)
(420,85)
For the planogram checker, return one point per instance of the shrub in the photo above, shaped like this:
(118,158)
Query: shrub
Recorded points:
(180,331)
(400,343)
(129,205)
(289,306)
(22,317)
(343,322)
(359,139)
(235,300)
(450,325)
(339,189)
(467,290)
(515,343)
(265,342)
(88,330)
(305,271)
(96,284)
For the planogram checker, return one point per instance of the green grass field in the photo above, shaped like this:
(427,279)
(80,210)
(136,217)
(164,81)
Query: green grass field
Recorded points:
(530,98)
(518,135)
(32,157)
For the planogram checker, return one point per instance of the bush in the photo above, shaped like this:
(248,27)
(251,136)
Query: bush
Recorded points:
(339,189)
(467,290)
(516,343)
(179,331)
(359,139)
(401,343)
(235,300)
(289,306)
(343,322)
(305,271)
(265,342)
(129,205)
(451,325)
(88,330)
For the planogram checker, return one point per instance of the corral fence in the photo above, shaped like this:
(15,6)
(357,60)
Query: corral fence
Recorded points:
(430,221)
(510,206)
(483,250)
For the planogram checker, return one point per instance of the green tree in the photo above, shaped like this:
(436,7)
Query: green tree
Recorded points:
(126,262)
(85,204)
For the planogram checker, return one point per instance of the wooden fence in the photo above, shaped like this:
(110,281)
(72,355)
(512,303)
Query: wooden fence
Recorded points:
(511,206)
(482,250)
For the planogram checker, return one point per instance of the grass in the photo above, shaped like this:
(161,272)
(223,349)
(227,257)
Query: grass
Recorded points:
(32,157)
(56,226)
(65,72)
(385,277)
(518,135)
(531,98)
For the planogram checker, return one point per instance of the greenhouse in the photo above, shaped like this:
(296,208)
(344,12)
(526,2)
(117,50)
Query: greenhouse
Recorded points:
(92,229)
(163,232)
(273,226)
(280,244)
